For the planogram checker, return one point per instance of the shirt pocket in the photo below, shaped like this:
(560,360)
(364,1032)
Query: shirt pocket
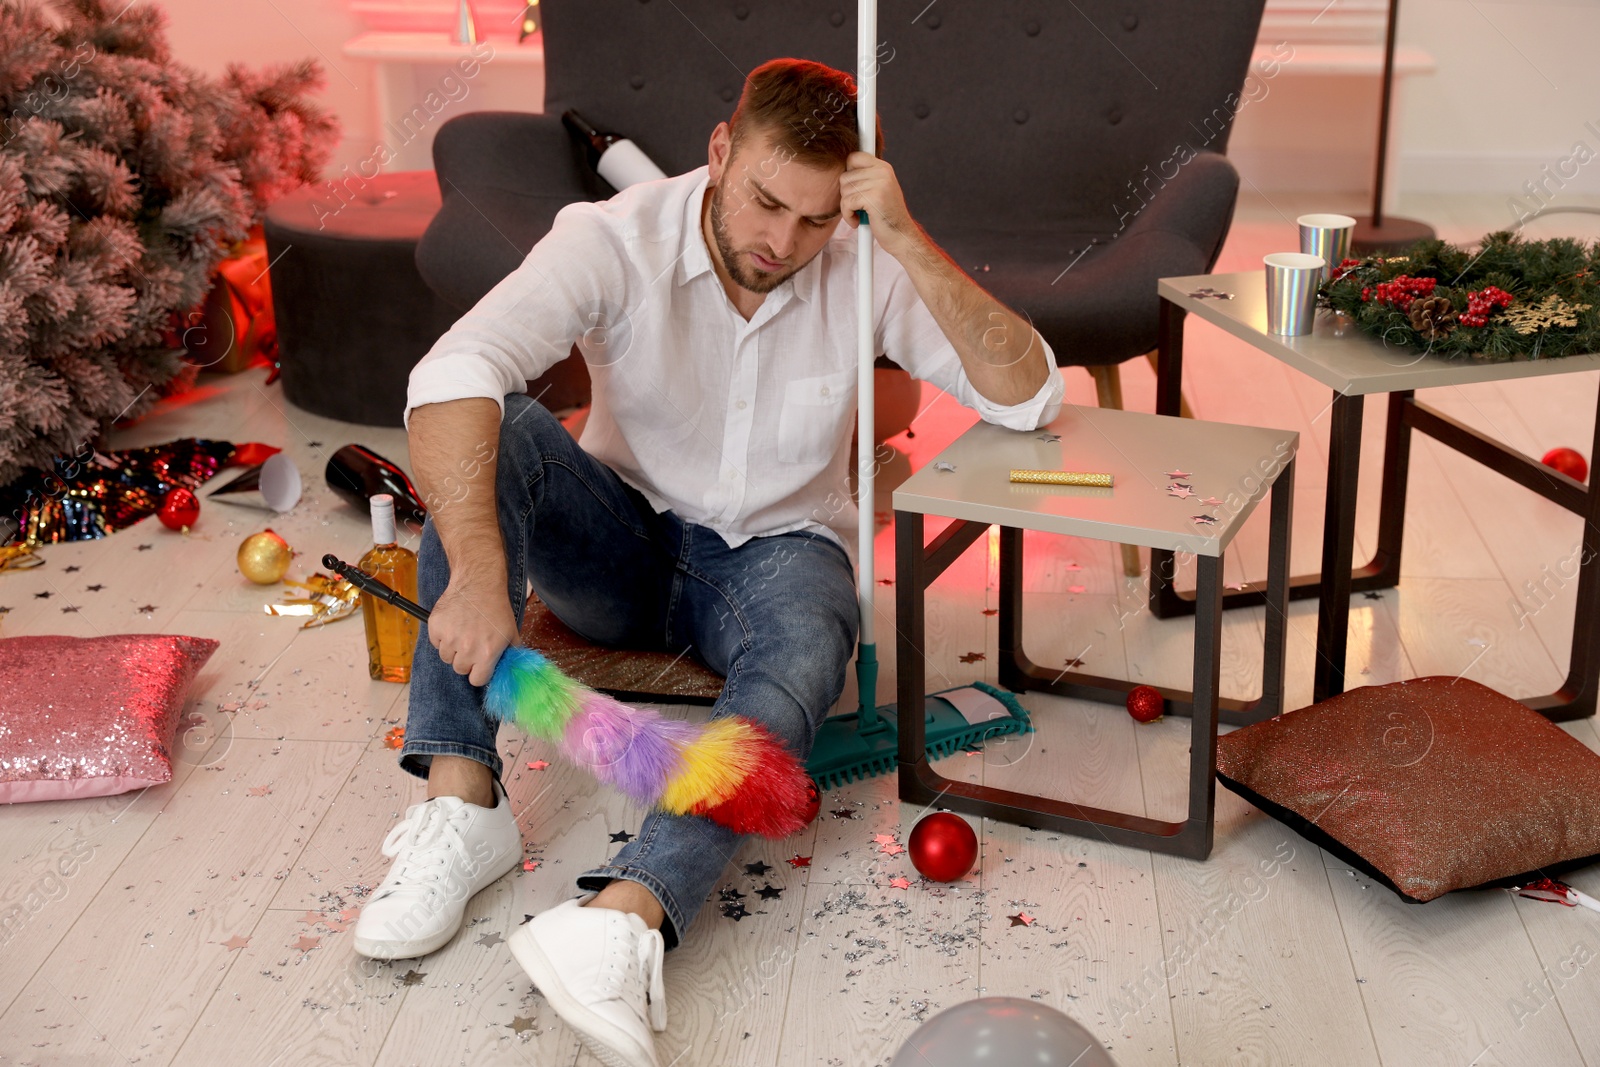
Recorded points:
(810,427)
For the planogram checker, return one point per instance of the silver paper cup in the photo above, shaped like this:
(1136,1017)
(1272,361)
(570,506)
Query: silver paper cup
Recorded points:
(1327,236)
(1292,280)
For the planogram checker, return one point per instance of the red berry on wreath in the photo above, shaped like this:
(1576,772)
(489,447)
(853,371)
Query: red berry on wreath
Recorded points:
(943,847)
(1145,703)
(179,509)
(1568,462)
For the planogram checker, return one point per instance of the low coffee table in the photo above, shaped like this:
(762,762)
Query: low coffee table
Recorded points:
(1353,365)
(970,482)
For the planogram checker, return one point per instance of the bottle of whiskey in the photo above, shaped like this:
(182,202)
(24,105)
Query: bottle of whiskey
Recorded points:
(391,633)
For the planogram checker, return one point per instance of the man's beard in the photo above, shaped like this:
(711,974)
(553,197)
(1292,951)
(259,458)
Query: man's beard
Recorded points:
(755,282)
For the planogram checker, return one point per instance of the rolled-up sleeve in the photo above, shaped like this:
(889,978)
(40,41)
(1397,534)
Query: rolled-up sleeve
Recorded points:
(529,321)
(910,336)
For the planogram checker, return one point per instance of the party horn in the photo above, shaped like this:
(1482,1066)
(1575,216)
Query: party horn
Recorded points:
(730,770)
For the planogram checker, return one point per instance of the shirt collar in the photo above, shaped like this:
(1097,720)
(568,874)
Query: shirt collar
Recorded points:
(694,258)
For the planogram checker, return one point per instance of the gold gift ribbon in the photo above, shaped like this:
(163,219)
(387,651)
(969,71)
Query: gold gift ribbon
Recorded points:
(331,599)
(19,557)
(1062,478)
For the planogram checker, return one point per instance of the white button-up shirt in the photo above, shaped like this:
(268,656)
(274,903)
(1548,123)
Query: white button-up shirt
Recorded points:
(740,426)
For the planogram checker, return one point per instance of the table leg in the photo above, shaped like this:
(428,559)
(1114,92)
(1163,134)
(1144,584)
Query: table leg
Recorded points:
(1384,567)
(1338,545)
(1275,644)
(910,567)
(1201,822)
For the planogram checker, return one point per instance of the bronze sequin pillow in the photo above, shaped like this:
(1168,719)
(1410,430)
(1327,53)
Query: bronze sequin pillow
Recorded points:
(89,717)
(1429,785)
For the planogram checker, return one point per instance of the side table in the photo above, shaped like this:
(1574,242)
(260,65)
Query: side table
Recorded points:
(1355,365)
(1232,466)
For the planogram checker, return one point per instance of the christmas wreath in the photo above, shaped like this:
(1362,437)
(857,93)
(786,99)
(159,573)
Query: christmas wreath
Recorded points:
(1511,299)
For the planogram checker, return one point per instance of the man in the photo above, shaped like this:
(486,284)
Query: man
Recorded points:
(706,509)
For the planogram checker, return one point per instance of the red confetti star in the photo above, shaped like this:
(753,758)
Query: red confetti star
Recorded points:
(260,790)
(396,737)
(972,657)
(1022,918)
(307,942)
(538,765)
(882,839)
(529,865)
(311,917)
(798,861)
(891,849)
(900,883)
(236,942)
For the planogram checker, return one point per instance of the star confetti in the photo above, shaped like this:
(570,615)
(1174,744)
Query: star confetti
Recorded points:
(311,917)
(526,919)
(944,467)
(95,588)
(395,737)
(797,861)
(145,548)
(538,765)
(413,977)
(307,942)
(899,883)
(1179,475)
(70,609)
(259,790)
(1073,662)
(145,609)
(236,942)
(885,581)
(972,657)
(349,915)
(729,894)
(1179,490)
(756,869)
(1211,502)
(843,813)
(882,839)
(734,911)
(769,892)
(891,849)
(1021,918)
(491,940)
(520,1024)
(1203,520)
(1209,293)
(1049,438)
(1370,595)
(991,611)
(1077,588)
(622,837)
(42,596)
(529,865)
(70,568)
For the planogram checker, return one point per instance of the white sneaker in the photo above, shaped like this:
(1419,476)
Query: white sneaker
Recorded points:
(444,851)
(600,969)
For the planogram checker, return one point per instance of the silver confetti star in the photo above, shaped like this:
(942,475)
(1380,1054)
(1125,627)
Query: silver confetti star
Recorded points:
(1204,520)
(1049,438)
(1179,490)
(944,466)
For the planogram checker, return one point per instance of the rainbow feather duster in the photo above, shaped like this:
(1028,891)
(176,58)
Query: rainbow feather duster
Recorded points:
(729,770)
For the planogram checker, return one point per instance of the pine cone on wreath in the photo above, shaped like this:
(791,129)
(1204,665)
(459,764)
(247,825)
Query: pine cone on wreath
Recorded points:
(1432,318)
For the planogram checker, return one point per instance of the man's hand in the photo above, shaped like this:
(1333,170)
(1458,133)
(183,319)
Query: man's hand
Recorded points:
(869,184)
(471,625)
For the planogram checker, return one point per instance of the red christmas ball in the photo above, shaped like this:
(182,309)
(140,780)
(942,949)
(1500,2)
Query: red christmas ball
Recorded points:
(1568,462)
(813,801)
(943,847)
(1145,703)
(179,508)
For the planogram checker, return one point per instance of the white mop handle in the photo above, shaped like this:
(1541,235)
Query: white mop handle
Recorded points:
(866,443)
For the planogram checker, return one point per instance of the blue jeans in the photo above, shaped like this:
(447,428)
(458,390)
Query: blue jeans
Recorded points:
(776,617)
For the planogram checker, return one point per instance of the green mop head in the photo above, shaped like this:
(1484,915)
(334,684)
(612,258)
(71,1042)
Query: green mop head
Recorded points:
(861,745)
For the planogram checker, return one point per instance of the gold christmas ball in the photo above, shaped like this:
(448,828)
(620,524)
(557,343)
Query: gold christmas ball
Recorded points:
(264,557)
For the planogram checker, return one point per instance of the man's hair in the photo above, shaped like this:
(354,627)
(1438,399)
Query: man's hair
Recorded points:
(808,109)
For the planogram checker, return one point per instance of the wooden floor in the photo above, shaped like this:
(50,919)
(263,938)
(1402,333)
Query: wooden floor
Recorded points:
(209,923)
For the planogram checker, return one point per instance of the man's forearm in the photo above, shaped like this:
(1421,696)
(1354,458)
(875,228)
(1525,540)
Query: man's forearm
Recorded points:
(454,448)
(1000,350)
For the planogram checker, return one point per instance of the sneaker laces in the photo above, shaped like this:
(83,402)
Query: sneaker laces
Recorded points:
(417,840)
(643,976)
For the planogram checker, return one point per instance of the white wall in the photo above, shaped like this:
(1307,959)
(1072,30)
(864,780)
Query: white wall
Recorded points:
(1517,81)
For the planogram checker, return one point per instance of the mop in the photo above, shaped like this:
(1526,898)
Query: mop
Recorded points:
(864,743)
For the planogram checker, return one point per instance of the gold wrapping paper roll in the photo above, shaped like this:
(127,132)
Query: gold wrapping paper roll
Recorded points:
(1062,478)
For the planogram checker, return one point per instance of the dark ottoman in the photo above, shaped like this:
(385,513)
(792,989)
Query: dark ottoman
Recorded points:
(353,315)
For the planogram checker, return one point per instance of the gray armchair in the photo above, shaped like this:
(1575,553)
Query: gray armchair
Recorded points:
(1067,155)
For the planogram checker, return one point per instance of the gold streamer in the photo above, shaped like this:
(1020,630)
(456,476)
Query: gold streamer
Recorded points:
(19,557)
(1062,478)
(331,599)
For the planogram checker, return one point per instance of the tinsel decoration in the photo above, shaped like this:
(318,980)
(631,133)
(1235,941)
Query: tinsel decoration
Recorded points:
(125,178)
(1508,299)
(85,497)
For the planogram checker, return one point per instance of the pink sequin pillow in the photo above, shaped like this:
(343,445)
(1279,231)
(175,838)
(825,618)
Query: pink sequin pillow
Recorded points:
(90,717)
